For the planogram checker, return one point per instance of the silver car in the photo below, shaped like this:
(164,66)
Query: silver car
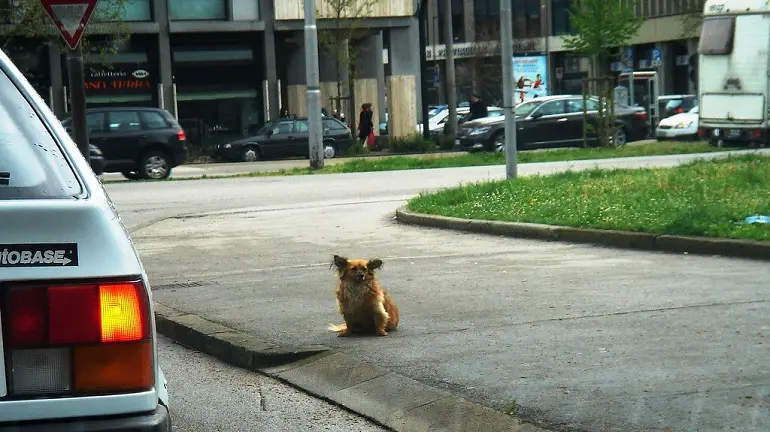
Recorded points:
(78,346)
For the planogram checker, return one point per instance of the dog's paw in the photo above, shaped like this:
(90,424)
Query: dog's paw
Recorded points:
(343,333)
(382,333)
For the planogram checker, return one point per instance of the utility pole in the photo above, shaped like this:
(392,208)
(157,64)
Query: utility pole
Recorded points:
(423,24)
(506,27)
(78,100)
(312,78)
(451,94)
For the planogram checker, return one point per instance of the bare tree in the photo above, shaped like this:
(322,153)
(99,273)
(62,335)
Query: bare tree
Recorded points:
(338,41)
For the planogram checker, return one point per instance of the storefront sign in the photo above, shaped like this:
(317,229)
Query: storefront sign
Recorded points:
(481,49)
(120,79)
(531,76)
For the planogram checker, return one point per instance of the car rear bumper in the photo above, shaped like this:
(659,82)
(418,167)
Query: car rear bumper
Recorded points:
(155,421)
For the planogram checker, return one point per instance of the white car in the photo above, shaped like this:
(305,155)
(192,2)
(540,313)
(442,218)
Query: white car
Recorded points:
(679,126)
(78,346)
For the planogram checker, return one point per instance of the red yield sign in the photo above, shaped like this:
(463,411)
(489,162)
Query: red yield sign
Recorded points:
(70,17)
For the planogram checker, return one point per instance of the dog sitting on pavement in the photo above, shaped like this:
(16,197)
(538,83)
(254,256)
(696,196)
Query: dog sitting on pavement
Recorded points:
(364,305)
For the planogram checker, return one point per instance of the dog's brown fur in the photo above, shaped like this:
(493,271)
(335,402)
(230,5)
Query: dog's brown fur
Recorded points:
(361,301)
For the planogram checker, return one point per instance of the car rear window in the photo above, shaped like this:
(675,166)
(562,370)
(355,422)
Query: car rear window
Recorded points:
(153,120)
(333,124)
(32,166)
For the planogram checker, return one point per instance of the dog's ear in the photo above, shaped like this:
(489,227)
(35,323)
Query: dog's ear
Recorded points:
(340,262)
(374,264)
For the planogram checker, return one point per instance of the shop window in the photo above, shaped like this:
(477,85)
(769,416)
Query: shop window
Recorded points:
(560,11)
(180,10)
(123,10)
(124,121)
(153,120)
(717,36)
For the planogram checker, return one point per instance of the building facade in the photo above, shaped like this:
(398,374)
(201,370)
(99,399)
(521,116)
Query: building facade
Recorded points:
(223,67)
(226,66)
(539,30)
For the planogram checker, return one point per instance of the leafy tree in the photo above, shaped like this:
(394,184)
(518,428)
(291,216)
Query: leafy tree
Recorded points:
(602,27)
(339,39)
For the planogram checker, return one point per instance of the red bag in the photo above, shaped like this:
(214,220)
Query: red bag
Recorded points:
(370,139)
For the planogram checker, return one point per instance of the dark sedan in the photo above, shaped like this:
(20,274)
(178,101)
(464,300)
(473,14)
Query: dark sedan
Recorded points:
(551,121)
(286,138)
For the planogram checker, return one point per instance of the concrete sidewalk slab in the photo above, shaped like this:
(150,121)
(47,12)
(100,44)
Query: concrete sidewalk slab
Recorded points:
(390,399)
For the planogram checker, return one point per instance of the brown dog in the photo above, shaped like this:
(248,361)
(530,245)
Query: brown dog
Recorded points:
(364,305)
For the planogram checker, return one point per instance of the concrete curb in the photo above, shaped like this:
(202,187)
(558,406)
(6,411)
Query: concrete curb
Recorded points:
(390,399)
(619,239)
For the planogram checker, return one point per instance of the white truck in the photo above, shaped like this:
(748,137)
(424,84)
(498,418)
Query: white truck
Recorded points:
(734,72)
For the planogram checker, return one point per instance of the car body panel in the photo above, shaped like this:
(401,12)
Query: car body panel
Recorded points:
(105,249)
(679,126)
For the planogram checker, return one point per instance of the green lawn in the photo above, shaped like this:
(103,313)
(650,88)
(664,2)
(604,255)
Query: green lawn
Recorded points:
(704,198)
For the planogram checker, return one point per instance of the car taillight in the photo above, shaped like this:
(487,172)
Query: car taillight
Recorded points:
(79,339)
(180,135)
(641,115)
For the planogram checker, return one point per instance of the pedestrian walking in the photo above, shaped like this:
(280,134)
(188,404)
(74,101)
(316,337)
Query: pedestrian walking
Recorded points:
(366,125)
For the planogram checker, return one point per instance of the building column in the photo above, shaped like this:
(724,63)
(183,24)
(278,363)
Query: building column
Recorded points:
(164,57)
(666,69)
(404,101)
(692,49)
(379,47)
(58,101)
(296,87)
(271,99)
(366,85)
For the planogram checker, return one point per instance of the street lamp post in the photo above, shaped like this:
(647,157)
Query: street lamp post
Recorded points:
(506,27)
(315,128)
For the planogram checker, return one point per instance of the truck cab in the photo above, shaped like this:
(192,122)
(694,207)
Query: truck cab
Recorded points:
(733,72)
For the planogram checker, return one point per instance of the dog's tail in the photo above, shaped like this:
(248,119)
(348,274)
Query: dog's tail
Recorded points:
(337,328)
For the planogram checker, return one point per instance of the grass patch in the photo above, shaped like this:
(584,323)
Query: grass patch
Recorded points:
(702,198)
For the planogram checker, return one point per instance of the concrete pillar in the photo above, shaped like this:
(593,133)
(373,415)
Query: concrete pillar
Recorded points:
(666,70)
(404,99)
(57,82)
(296,98)
(366,87)
(164,56)
(272,102)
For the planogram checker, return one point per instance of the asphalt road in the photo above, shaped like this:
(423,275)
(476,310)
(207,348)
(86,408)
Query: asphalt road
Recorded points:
(580,337)
(207,395)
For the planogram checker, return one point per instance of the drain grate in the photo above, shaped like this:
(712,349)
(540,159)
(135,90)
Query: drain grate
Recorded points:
(178,285)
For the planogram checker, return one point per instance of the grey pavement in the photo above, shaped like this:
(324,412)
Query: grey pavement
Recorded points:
(208,395)
(579,337)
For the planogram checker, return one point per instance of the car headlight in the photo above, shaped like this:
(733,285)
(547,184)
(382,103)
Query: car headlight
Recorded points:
(683,125)
(479,130)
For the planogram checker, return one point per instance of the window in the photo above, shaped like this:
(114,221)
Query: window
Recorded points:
(333,124)
(551,108)
(95,122)
(458,20)
(560,13)
(124,121)
(717,36)
(180,10)
(153,120)
(301,126)
(576,105)
(33,165)
(283,128)
(132,10)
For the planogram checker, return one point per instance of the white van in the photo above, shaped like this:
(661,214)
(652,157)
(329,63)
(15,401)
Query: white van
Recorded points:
(733,76)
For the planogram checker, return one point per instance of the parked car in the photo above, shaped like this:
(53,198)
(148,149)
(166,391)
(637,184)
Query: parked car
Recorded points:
(679,126)
(96,158)
(551,121)
(670,105)
(464,113)
(286,138)
(139,142)
(78,342)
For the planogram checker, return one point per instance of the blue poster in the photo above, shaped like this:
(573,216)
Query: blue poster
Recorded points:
(531,75)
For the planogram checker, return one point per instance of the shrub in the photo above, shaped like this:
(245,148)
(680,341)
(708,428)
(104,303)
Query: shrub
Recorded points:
(446,142)
(414,143)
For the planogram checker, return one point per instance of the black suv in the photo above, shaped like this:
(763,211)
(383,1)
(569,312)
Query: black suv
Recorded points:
(284,138)
(140,143)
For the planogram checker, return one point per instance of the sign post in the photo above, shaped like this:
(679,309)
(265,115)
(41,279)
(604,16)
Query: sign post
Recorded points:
(71,18)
